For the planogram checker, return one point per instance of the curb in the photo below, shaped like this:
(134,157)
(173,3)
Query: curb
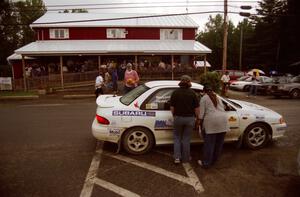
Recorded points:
(79,96)
(18,97)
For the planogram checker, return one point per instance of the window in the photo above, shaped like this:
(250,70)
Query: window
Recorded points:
(171,34)
(116,33)
(133,94)
(160,100)
(59,33)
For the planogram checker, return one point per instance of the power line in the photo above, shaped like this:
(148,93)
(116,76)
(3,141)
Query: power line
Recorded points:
(131,7)
(136,17)
(138,3)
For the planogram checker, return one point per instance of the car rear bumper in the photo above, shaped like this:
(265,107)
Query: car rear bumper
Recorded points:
(105,133)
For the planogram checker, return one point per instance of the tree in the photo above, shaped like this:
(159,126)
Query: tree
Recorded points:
(8,31)
(28,11)
(212,37)
(266,39)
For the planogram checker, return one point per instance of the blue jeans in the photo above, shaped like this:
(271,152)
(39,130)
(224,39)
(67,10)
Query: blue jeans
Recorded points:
(213,145)
(183,127)
(252,90)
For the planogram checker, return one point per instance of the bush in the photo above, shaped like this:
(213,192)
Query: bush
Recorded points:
(213,79)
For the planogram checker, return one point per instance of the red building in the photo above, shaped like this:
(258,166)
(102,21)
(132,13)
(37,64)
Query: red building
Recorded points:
(70,44)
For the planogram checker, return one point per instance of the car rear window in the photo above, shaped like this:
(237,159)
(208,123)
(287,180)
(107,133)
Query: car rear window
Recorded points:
(133,94)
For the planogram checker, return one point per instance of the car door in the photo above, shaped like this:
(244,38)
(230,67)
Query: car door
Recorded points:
(233,120)
(159,101)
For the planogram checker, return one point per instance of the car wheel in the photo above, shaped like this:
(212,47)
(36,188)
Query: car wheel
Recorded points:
(138,141)
(246,88)
(256,136)
(295,94)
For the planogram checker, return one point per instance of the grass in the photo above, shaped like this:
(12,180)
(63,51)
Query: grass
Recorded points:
(17,93)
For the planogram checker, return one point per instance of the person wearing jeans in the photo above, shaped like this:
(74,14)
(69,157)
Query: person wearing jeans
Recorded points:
(214,125)
(184,107)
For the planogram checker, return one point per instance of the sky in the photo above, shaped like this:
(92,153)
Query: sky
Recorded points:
(160,7)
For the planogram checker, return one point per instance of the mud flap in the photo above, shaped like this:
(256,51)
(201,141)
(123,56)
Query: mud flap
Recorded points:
(239,143)
(119,146)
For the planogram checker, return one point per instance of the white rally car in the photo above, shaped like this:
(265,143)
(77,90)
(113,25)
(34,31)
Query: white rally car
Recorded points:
(142,118)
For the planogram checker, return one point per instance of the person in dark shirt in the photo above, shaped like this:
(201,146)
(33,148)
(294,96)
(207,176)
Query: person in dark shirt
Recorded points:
(184,107)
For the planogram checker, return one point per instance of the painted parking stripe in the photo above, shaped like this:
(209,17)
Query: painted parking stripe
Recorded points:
(190,181)
(114,188)
(92,173)
(190,172)
(193,177)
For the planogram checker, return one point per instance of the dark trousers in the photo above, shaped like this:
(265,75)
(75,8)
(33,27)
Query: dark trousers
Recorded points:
(98,91)
(213,145)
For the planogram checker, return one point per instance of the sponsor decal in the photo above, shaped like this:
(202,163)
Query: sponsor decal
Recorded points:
(136,105)
(114,131)
(163,124)
(132,113)
(232,119)
(260,118)
(152,106)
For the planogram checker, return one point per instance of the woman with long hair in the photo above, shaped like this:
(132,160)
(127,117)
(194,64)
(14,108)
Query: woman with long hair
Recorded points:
(214,125)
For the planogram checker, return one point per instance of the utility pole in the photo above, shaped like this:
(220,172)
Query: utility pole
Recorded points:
(225,34)
(241,48)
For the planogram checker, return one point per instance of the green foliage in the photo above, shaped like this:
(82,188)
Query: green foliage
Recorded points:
(213,79)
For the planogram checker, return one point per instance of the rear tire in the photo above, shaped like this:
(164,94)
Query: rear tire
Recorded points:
(256,136)
(138,141)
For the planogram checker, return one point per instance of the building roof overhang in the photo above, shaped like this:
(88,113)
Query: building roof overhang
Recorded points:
(108,47)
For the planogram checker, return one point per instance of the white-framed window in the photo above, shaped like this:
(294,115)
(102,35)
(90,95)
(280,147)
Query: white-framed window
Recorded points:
(59,33)
(116,33)
(171,34)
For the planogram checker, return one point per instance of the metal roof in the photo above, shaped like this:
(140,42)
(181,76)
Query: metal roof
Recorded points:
(113,47)
(50,19)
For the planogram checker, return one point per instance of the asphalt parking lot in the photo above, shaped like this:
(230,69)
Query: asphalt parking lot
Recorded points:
(47,150)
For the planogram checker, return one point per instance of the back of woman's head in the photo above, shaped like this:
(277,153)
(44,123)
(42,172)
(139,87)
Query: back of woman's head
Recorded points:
(213,97)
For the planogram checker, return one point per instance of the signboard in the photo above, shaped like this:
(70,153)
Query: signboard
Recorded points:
(5,83)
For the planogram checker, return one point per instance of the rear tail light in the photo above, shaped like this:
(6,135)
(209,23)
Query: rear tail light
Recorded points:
(102,120)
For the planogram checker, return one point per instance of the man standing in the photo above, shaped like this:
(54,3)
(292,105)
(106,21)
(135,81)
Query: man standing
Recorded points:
(225,83)
(99,85)
(184,107)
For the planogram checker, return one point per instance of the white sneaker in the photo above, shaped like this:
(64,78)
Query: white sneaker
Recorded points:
(177,161)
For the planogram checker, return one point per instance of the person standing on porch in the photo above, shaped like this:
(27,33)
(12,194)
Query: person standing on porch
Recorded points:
(99,85)
(131,78)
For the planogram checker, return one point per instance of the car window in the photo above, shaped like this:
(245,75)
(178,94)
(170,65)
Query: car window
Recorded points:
(133,94)
(296,79)
(159,100)
(239,73)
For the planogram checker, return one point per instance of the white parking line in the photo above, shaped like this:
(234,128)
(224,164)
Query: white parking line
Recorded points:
(193,177)
(190,172)
(92,173)
(191,180)
(115,188)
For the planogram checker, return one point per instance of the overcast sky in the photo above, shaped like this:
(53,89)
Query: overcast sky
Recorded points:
(159,6)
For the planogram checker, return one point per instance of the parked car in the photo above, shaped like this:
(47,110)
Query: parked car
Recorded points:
(244,85)
(142,118)
(234,74)
(291,89)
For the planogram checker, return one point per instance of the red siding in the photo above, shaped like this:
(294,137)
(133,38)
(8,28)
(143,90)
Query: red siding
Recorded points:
(18,70)
(99,33)
(91,33)
(189,34)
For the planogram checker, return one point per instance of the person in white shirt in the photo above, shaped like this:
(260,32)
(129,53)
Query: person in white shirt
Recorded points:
(99,85)
(225,83)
